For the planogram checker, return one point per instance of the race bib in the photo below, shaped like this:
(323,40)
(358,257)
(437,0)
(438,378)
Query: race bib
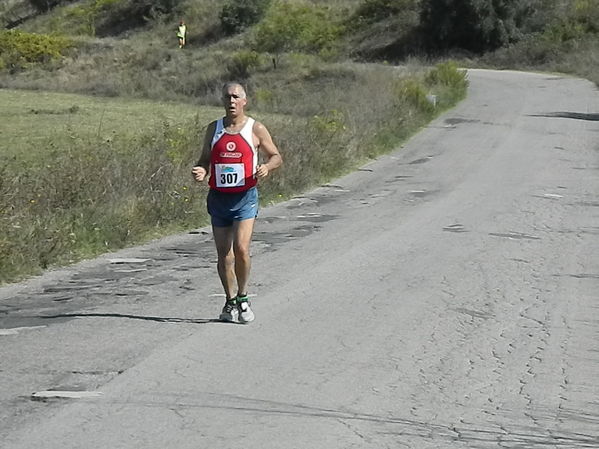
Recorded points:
(230,175)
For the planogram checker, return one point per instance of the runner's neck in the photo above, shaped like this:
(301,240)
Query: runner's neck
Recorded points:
(235,123)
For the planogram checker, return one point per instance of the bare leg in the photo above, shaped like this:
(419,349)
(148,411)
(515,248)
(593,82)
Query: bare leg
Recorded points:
(241,249)
(223,239)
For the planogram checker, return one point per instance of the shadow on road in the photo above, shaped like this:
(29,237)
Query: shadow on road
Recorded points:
(133,317)
(572,115)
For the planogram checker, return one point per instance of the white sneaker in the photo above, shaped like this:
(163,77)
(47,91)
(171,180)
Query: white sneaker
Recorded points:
(244,311)
(229,312)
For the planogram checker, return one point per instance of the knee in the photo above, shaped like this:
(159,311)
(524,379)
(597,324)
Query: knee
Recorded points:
(242,251)
(226,260)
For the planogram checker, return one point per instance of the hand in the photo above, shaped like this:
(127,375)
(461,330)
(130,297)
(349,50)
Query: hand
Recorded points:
(262,171)
(199,173)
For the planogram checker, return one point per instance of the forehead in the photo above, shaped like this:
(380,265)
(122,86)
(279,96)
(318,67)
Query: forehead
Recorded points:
(233,90)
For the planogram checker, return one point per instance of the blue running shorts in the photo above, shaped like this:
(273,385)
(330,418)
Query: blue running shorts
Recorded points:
(225,208)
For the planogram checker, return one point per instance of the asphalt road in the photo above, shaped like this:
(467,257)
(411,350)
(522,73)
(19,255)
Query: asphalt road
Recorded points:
(443,296)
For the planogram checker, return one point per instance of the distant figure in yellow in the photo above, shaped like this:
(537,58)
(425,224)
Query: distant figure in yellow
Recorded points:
(181,33)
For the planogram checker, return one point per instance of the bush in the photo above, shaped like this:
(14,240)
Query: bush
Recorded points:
(242,63)
(414,93)
(447,74)
(579,19)
(44,5)
(447,83)
(237,15)
(19,50)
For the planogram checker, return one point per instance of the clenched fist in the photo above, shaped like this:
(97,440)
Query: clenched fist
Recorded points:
(199,173)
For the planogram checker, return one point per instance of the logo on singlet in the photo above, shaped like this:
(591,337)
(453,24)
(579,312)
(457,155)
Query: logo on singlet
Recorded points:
(231,146)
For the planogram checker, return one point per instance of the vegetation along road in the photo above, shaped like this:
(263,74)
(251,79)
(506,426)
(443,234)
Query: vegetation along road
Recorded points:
(442,296)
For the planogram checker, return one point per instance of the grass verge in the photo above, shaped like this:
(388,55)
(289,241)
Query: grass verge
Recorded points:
(73,188)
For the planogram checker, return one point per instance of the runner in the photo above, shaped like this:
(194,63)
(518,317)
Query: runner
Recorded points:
(181,33)
(230,157)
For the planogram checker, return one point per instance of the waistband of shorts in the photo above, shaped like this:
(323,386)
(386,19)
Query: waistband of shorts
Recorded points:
(243,192)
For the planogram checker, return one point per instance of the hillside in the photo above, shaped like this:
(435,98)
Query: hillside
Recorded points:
(135,40)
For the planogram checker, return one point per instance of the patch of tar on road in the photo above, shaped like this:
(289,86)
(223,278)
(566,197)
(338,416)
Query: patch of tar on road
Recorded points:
(422,160)
(422,193)
(398,178)
(587,203)
(316,218)
(272,240)
(580,231)
(457,120)
(474,313)
(300,201)
(579,275)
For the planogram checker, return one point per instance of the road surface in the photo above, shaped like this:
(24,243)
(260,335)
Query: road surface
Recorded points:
(443,296)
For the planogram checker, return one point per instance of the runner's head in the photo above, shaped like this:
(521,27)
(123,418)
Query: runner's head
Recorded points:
(234,98)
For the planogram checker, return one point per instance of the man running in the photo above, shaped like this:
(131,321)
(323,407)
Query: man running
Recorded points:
(230,156)
(182,33)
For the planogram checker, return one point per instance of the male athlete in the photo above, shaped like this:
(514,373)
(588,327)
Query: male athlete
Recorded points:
(230,156)
(182,33)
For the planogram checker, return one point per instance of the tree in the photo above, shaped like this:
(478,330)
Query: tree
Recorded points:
(474,25)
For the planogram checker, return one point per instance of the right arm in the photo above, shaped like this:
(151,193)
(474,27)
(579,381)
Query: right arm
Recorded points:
(200,170)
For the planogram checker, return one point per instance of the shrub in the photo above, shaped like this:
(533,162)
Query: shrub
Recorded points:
(413,92)
(579,19)
(447,74)
(242,63)
(19,50)
(237,15)
(44,5)
(447,83)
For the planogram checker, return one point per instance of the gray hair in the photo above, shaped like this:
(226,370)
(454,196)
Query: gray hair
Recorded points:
(230,84)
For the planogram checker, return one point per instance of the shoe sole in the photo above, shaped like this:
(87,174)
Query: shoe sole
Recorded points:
(227,318)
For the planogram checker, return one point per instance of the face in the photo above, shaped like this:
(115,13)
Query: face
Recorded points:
(234,100)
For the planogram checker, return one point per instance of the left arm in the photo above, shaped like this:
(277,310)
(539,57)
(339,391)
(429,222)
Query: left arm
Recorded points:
(268,148)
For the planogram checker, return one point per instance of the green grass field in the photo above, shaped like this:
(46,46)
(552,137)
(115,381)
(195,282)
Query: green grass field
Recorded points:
(32,121)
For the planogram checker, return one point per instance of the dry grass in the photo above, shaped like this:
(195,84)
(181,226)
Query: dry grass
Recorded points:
(83,174)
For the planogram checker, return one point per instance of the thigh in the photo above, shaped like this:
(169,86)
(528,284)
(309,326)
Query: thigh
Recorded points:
(243,230)
(223,239)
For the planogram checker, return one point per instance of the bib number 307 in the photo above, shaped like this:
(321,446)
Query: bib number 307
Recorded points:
(230,175)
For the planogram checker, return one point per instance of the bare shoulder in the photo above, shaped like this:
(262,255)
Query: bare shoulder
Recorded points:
(259,128)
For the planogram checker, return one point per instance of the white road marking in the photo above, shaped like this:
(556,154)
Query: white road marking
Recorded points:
(67,394)
(17,330)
